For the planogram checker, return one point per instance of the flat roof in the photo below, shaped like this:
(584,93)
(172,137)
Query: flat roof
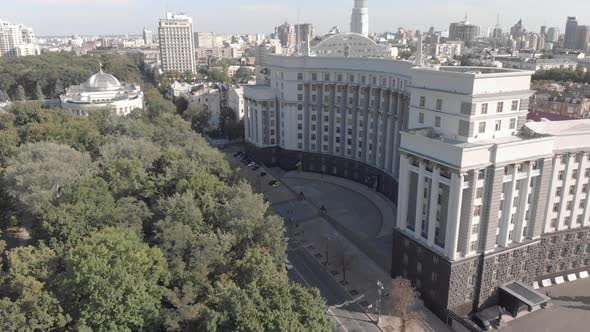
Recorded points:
(560,128)
(525,294)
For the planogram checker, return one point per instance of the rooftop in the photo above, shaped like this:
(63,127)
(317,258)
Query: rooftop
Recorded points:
(560,128)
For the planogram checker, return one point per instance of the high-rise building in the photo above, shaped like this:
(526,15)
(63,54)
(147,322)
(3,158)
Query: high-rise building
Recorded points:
(583,37)
(304,32)
(463,31)
(571,33)
(553,35)
(148,36)
(286,34)
(543,30)
(17,40)
(359,22)
(517,30)
(177,44)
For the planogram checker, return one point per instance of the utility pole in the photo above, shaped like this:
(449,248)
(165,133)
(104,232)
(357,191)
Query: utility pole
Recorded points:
(380,292)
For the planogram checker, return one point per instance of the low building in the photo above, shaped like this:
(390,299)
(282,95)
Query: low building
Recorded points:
(235,100)
(102,91)
(202,54)
(565,104)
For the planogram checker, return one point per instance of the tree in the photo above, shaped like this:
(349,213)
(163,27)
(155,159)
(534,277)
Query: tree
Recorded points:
(405,299)
(4,96)
(199,117)
(20,94)
(58,88)
(113,281)
(243,75)
(344,257)
(40,170)
(39,93)
(181,105)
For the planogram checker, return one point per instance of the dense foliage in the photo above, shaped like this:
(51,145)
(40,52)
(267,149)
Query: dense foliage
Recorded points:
(137,224)
(48,75)
(565,75)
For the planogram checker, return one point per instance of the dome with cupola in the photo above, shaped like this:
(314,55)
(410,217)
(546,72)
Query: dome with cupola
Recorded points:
(102,82)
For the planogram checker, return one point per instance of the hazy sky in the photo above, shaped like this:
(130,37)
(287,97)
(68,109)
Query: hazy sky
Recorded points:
(60,17)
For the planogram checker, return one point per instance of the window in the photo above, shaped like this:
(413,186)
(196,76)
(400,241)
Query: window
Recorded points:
(422,101)
(439,104)
(587,173)
(572,190)
(500,107)
(561,175)
(473,246)
(515,105)
(512,123)
(479,193)
(299,97)
(437,121)
(556,207)
(554,222)
(481,174)
(585,188)
(477,211)
(314,77)
(558,191)
(482,127)
(299,126)
(498,125)
(421,118)
(484,108)
(475,229)
(300,76)
(300,136)
(419,267)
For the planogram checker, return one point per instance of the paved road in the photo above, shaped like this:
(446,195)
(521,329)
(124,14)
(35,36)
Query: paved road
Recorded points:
(308,272)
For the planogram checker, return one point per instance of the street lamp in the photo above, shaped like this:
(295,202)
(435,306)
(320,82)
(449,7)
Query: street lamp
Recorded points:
(379,291)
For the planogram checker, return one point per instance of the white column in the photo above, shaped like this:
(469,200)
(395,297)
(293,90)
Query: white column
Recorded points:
(420,201)
(521,222)
(454,216)
(507,210)
(551,195)
(565,192)
(433,205)
(402,193)
(578,194)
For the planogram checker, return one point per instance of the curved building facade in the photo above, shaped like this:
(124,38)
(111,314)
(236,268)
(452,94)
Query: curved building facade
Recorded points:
(339,116)
(350,45)
(100,91)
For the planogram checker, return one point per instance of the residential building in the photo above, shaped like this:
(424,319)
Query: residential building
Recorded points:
(148,37)
(486,202)
(571,33)
(218,53)
(583,37)
(304,33)
(463,31)
(359,21)
(235,100)
(552,35)
(177,45)
(17,40)
(102,91)
(286,34)
(208,40)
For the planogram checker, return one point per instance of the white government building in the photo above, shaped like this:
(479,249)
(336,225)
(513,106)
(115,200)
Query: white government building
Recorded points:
(487,203)
(102,91)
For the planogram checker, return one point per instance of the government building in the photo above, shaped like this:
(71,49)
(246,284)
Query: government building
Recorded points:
(488,205)
(102,91)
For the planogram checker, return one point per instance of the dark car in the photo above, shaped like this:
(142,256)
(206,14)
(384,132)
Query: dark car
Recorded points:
(246,161)
(486,317)
(274,183)
(262,174)
(237,154)
(255,168)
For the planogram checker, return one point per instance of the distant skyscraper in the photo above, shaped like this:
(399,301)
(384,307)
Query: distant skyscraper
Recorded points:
(304,32)
(517,30)
(359,22)
(286,34)
(148,36)
(543,30)
(552,35)
(571,33)
(177,43)
(463,31)
(583,37)
(17,40)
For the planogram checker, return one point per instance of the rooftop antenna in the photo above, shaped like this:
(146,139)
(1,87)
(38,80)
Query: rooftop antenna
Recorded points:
(498,20)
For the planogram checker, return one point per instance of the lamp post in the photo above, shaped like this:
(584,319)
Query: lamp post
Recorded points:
(380,292)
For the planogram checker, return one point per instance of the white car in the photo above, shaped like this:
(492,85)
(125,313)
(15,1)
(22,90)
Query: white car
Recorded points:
(252,164)
(288,264)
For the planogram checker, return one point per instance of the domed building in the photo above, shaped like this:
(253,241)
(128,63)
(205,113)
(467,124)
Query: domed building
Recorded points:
(350,44)
(102,91)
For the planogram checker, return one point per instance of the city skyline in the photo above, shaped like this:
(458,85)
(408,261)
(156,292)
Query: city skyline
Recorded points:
(262,16)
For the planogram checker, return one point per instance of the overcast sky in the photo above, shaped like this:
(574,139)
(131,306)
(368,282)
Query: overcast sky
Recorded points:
(67,17)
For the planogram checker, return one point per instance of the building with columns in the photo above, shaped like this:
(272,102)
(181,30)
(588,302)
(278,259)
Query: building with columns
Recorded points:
(485,200)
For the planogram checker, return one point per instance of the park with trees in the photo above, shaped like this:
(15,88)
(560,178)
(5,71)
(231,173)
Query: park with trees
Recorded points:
(132,223)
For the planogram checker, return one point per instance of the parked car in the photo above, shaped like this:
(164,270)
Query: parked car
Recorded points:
(288,264)
(252,164)
(274,183)
(255,168)
(246,161)
(262,174)
(237,154)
